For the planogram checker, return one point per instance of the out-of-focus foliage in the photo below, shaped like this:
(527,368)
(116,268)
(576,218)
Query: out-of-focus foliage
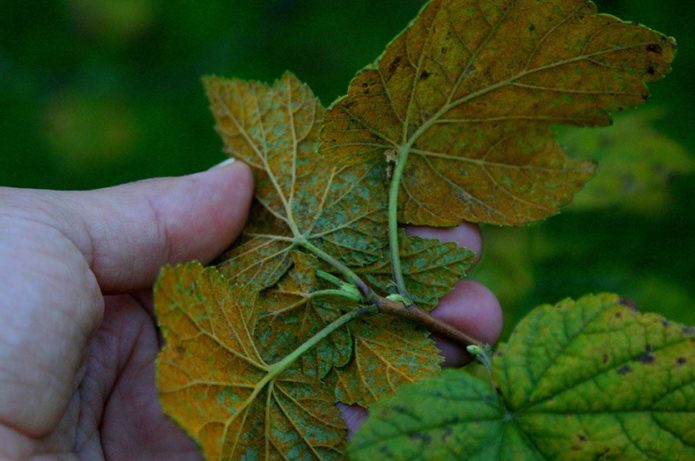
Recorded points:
(636,162)
(94,93)
(610,238)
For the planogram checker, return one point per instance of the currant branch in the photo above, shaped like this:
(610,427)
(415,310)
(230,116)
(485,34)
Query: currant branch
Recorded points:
(390,306)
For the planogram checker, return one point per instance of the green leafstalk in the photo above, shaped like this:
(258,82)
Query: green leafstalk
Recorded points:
(275,369)
(367,293)
(393,305)
(394,246)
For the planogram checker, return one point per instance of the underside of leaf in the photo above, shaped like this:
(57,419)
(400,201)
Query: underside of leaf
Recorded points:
(299,194)
(468,93)
(289,314)
(215,384)
(388,353)
(430,268)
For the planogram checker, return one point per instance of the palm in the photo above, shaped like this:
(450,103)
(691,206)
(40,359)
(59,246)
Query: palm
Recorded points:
(102,396)
(131,424)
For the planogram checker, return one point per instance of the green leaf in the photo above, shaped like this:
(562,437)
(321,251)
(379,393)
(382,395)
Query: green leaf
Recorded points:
(214,382)
(584,380)
(430,268)
(468,92)
(299,194)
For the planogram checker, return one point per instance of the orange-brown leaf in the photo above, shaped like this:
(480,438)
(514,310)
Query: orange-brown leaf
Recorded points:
(289,314)
(215,384)
(388,352)
(469,90)
(299,195)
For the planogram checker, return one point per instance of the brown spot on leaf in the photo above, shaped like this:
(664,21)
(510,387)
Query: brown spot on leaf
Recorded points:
(655,48)
(393,66)
(628,302)
(424,438)
(622,371)
(648,356)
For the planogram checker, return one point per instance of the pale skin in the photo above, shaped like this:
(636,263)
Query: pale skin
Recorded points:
(77,333)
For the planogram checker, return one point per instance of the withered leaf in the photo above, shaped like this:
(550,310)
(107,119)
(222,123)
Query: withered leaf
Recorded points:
(388,352)
(469,90)
(299,194)
(214,383)
(430,268)
(290,314)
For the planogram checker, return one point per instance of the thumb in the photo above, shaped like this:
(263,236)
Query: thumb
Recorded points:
(126,233)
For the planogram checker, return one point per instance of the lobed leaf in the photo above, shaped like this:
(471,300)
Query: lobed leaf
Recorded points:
(430,269)
(388,352)
(469,90)
(584,380)
(299,194)
(214,382)
(290,314)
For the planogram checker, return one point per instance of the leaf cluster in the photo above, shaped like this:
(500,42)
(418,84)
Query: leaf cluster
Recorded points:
(451,123)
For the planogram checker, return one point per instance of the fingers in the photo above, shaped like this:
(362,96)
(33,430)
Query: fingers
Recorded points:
(354,416)
(473,309)
(470,306)
(466,235)
(127,232)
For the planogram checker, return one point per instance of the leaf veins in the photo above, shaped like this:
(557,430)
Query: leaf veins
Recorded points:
(300,196)
(468,93)
(214,383)
(581,380)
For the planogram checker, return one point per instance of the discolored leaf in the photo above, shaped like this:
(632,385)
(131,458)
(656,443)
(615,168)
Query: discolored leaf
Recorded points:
(299,194)
(290,314)
(430,268)
(214,383)
(584,380)
(388,352)
(468,93)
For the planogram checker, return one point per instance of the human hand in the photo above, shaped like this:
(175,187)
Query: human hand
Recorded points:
(77,334)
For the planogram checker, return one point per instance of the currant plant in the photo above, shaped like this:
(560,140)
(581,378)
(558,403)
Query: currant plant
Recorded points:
(325,299)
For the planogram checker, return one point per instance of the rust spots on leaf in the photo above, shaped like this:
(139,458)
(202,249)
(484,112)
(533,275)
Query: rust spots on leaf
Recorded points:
(214,383)
(655,48)
(474,102)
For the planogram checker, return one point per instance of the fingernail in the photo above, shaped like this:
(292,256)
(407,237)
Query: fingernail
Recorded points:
(224,163)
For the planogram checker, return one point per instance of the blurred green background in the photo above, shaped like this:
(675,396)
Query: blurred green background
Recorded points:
(98,92)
